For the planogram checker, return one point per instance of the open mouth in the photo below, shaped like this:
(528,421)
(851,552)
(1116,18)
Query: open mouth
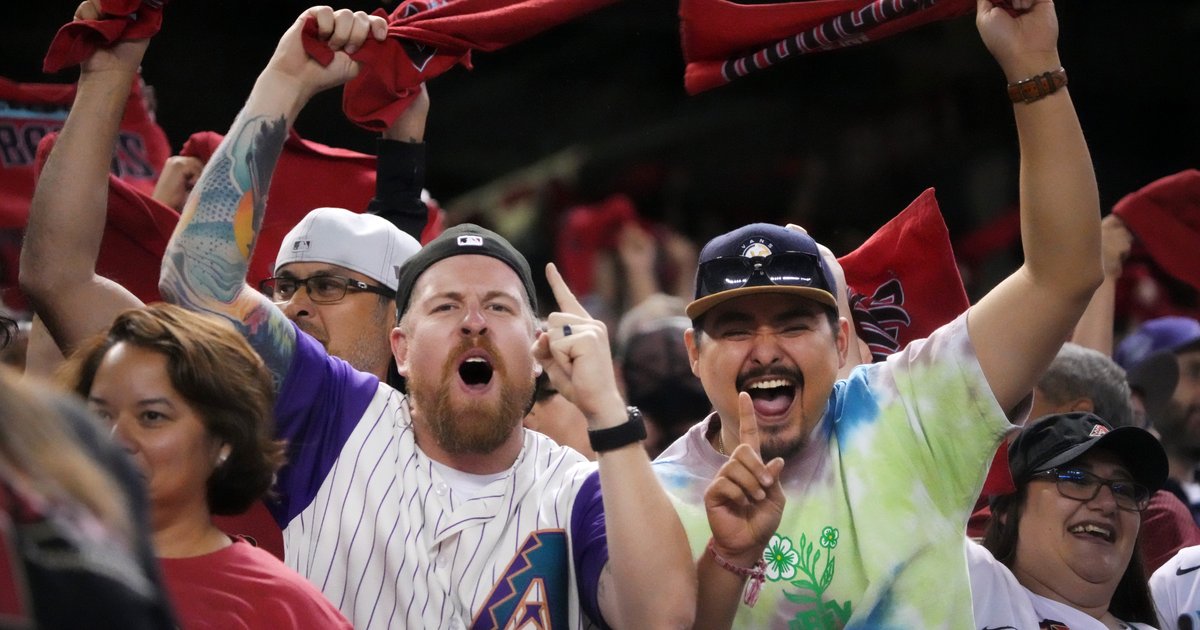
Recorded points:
(475,372)
(1094,530)
(772,396)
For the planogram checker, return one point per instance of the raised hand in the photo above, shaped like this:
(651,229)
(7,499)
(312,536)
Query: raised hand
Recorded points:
(344,31)
(179,175)
(1024,40)
(125,55)
(745,502)
(574,351)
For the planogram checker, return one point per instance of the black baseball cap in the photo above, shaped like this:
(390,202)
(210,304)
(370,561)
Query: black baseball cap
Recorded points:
(1061,438)
(761,258)
(462,239)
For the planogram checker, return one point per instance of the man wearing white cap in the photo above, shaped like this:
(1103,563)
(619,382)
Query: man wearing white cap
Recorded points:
(335,277)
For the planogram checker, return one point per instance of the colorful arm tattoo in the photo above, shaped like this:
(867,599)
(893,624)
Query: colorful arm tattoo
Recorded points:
(206,262)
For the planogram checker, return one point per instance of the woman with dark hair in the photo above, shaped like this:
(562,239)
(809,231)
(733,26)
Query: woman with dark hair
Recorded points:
(1063,548)
(191,402)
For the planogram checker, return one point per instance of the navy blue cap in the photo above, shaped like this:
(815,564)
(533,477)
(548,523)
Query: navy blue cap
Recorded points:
(1161,333)
(1061,438)
(761,258)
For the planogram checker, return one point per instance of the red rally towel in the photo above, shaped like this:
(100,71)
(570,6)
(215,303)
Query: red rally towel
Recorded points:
(724,40)
(30,111)
(427,38)
(125,19)
(1165,216)
(903,281)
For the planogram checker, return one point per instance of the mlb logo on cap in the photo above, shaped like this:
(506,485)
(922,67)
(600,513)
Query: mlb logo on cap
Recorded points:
(1098,430)
(472,240)
(300,245)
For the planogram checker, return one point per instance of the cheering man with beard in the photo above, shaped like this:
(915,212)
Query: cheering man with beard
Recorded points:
(879,470)
(436,510)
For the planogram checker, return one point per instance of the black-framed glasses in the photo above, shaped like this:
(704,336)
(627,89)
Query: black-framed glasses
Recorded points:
(789,269)
(322,289)
(1081,485)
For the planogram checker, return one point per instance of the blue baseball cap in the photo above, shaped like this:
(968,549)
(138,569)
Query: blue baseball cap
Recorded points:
(761,258)
(1162,333)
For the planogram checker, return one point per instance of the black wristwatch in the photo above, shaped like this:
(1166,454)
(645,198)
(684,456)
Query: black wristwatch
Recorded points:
(632,430)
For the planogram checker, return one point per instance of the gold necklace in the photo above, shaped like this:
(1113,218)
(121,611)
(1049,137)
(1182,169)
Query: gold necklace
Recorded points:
(721,444)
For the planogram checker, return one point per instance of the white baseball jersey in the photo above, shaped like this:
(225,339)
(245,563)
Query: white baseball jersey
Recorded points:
(371,523)
(1001,602)
(1176,588)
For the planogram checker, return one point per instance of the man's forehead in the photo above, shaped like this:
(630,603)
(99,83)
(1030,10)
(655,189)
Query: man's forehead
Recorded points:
(469,273)
(308,269)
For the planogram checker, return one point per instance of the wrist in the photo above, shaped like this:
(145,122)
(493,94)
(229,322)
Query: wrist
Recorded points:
(754,574)
(610,413)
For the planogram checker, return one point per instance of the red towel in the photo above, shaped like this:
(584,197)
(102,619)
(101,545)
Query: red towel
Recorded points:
(724,40)
(427,38)
(904,281)
(126,19)
(1165,216)
(30,111)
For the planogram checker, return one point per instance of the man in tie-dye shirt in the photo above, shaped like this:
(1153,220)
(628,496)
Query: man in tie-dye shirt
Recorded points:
(857,518)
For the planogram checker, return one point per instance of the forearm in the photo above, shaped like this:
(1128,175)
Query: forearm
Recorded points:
(399,178)
(66,217)
(1095,327)
(649,555)
(720,594)
(1060,222)
(205,264)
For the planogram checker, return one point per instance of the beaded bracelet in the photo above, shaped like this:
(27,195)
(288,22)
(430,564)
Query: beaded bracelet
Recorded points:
(756,573)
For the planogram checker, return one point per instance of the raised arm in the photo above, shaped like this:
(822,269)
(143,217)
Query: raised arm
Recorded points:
(1095,327)
(1018,327)
(66,217)
(650,579)
(400,170)
(206,261)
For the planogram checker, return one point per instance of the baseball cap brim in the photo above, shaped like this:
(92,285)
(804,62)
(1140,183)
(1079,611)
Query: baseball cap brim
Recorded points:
(1137,448)
(706,303)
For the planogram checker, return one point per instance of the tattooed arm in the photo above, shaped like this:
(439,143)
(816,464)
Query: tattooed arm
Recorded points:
(205,265)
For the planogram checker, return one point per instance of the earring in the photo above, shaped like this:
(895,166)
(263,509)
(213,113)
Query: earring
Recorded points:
(221,458)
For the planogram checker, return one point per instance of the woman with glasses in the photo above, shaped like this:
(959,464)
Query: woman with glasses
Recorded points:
(1063,548)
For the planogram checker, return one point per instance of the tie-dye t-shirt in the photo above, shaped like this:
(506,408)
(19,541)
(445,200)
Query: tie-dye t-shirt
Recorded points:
(878,499)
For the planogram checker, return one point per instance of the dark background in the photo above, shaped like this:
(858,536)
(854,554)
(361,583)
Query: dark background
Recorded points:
(838,141)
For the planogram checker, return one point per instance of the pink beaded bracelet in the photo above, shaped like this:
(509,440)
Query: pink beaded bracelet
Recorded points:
(756,573)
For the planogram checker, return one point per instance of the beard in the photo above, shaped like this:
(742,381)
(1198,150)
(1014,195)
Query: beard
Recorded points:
(474,427)
(1175,425)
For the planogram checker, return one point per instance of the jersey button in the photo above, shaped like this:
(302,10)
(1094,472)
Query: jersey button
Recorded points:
(440,489)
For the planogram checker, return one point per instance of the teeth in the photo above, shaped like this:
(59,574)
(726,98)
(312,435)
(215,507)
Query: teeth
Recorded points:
(771,384)
(1092,529)
(475,360)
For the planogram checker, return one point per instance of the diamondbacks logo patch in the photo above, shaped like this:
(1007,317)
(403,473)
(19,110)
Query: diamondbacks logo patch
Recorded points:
(532,593)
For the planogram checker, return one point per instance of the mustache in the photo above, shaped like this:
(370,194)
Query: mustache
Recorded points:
(756,373)
(484,343)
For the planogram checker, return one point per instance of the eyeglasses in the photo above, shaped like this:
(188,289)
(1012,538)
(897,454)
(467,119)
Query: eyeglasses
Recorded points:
(1082,485)
(321,289)
(789,269)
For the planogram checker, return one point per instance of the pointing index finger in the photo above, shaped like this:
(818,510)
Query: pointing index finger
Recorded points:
(567,302)
(747,424)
